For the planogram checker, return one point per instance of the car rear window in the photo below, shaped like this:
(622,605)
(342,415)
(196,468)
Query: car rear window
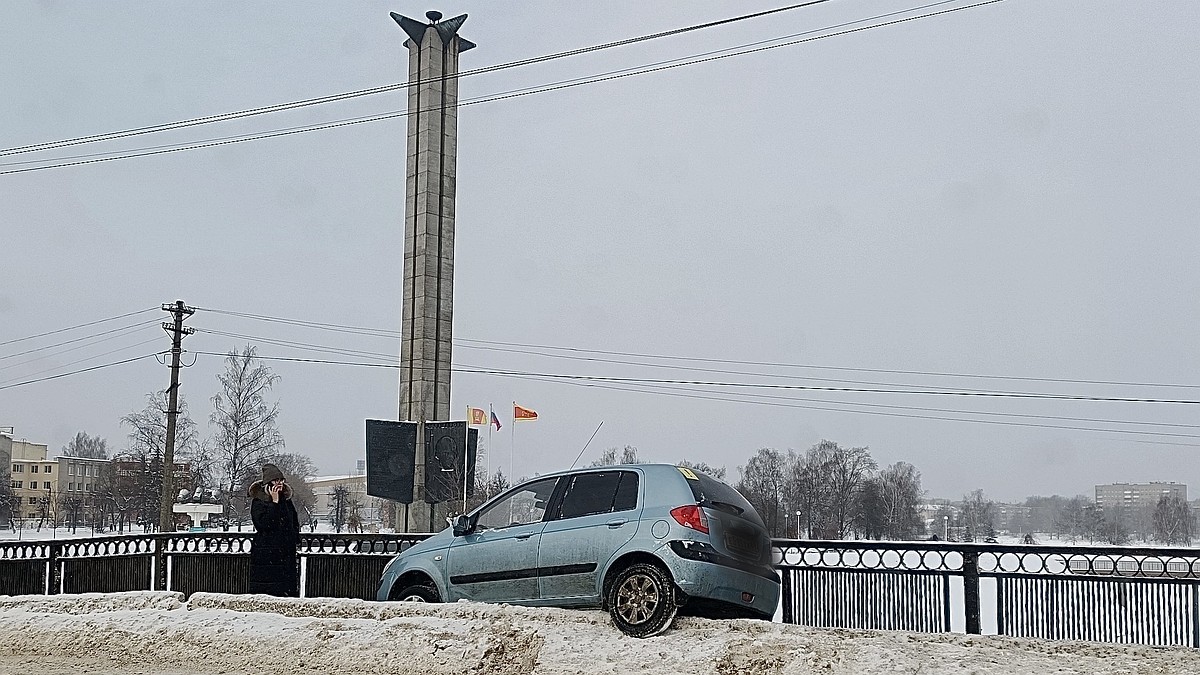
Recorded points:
(600,492)
(714,494)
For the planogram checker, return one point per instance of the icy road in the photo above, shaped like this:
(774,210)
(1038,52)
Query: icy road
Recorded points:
(149,632)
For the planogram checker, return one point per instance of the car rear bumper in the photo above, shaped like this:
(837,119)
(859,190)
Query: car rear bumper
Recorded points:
(701,572)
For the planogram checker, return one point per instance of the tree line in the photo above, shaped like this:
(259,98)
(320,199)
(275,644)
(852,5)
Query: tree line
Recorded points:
(219,468)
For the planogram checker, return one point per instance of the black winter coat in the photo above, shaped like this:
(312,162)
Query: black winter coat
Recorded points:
(273,560)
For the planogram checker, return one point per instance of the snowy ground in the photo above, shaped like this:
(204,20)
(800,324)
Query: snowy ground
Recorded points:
(155,632)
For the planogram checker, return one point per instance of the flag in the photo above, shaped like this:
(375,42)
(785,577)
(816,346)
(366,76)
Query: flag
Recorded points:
(520,413)
(476,417)
(495,420)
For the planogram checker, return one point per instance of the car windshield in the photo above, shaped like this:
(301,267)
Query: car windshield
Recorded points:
(712,493)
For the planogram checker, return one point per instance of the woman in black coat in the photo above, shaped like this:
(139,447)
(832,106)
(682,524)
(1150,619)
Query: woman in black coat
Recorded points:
(273,568)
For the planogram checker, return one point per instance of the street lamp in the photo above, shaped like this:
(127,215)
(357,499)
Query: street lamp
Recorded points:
(945,527)
(797,524)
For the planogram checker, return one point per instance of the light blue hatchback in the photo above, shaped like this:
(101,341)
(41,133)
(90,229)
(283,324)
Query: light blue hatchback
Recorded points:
(642,541)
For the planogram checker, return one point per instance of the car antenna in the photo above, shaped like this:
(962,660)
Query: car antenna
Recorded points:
(586,444)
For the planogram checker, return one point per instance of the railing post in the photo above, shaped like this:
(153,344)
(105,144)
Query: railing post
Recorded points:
(785,596)
(159,583)
(1195,615)
(970,567)
(53,575)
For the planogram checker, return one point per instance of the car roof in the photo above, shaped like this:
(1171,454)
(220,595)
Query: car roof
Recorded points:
(611,467)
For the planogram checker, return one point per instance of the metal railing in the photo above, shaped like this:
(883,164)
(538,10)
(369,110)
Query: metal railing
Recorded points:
(330,565)
(1106,594)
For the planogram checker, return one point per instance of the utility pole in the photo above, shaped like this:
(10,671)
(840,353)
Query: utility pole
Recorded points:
(166,516)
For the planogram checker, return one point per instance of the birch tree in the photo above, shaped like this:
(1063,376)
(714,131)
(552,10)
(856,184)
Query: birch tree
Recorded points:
(245,423)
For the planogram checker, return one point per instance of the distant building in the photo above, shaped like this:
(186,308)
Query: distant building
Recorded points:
(1014,518)
(324,488)
(5,471)
(34,482)
(1130,497)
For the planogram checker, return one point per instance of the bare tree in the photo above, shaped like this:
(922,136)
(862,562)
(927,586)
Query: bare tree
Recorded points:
(979,515)
(340,506)
(1173,521)
(897,491)
(83,445)
(718,473)
(764,485)
(246,431)
(147,441)
(812,493)
(848,470)
(629,455)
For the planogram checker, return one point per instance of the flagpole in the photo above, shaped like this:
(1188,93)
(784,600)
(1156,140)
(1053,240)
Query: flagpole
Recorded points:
(491,414)
(512,442)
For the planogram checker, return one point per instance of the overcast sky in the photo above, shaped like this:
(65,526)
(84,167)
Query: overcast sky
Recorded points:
(1008,190)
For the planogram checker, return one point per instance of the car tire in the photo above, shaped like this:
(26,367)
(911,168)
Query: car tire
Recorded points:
(641,600)
(417,593)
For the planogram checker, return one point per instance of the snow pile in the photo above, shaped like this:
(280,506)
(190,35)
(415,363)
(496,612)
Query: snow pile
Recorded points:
(135,633)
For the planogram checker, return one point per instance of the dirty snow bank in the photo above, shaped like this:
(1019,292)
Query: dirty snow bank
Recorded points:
(212,633)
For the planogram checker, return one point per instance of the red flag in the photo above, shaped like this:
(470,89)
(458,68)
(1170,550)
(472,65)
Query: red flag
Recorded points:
(520,413)
(476,417)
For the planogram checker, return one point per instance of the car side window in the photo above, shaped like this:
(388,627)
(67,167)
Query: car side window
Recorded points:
(524,506)
(600,492)
(627,492)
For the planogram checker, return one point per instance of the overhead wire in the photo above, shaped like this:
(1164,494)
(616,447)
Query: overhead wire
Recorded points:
(487,99)
(89,358)
(75,372)
(509,346)
(77,326)
(652,387)
(79,339)
(222,117)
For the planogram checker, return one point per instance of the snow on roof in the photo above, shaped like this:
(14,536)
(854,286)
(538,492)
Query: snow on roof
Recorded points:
(321,479)
(215,633)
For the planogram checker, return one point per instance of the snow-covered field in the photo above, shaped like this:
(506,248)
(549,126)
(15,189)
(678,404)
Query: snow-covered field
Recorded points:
(155,632)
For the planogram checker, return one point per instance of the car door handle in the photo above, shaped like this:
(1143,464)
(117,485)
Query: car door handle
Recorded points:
(617,522)
(523,536)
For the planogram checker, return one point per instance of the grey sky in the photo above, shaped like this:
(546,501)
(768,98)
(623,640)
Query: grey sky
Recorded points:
(1007,190)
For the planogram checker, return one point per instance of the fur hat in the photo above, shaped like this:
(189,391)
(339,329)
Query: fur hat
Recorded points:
(271,472)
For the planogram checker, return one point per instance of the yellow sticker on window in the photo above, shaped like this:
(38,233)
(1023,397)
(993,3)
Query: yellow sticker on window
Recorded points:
(687,473)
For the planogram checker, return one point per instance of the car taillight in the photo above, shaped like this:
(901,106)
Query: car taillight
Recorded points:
(691,516)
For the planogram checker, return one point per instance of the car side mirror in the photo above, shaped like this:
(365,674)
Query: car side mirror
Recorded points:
(463,526)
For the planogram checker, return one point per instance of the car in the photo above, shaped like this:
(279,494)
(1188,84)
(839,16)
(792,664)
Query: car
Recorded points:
(642,541)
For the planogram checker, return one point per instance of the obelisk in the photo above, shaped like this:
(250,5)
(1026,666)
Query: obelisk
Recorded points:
(428,310)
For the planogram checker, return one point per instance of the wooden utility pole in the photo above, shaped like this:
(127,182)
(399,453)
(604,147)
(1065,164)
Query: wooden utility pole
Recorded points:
(176,329)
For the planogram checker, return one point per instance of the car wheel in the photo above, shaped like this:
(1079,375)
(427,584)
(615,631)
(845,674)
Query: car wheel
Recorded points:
(641,600)
(417,593)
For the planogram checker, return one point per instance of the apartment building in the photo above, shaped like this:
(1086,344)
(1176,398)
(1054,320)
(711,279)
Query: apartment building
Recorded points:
(1130,497)
(34,480)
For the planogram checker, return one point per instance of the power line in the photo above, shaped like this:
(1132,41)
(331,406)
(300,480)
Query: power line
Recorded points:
(92,343)
(650,387)
(658,390)
(510,347)
(89,358)
(497,97)
(80,339)
(82,325)
(76,372)
(360,353)
(180,124)
(797,387)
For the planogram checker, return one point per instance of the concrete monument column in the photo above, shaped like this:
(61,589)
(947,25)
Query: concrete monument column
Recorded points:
(428,310)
